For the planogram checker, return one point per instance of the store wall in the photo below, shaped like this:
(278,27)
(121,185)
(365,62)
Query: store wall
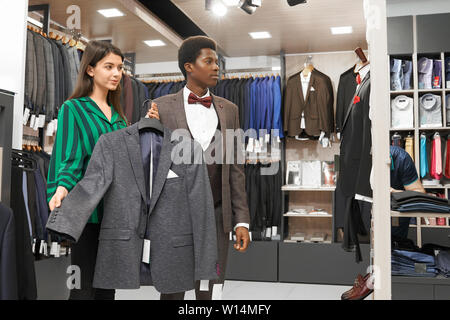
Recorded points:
(13,17)
(397,8)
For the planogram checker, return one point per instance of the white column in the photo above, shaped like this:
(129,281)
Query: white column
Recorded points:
(375,13)
(13,36)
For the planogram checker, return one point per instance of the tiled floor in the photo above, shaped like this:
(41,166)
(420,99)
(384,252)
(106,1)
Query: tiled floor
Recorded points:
(250,290)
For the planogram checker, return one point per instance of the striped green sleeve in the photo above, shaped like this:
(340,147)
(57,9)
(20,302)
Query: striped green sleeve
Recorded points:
(68,149)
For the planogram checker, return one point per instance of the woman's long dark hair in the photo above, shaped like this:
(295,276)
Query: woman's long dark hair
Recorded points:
(94,52)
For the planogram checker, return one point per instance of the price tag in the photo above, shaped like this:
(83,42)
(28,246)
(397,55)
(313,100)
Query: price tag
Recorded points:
(204,285)
(32,121)
(146,251)
(50,129)
(26,116)
(41,122)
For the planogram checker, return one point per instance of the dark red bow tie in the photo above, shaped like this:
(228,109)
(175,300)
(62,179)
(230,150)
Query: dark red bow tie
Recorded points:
(192,99)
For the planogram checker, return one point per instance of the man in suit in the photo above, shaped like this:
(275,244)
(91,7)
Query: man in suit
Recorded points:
(196,110)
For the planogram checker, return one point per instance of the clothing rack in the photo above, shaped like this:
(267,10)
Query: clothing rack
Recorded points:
(158,75)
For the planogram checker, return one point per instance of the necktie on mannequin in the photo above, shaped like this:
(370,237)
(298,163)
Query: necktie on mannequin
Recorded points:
(423,156)
(358,78)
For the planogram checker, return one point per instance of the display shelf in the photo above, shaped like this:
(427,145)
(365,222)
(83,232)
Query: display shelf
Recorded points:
(299,188)
(308,215)
(429,90)
(425,226)
(398,92)
(401,129)
(419,214)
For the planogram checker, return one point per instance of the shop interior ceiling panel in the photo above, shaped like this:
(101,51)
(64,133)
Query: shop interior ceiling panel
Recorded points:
(128,32)
(298,29)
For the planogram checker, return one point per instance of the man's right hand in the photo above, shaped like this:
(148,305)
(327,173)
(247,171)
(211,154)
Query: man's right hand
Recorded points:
(57,198)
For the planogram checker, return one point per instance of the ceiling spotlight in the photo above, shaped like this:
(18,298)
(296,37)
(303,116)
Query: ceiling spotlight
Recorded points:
(295,2)
(247,6)
(154,43)
(219,9)
(342,30)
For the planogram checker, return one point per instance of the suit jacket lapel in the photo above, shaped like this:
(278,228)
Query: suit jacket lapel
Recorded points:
(134,153)
(220,110)
(363,83)
(311,80)
(180,112)
(299,88)
(165,161)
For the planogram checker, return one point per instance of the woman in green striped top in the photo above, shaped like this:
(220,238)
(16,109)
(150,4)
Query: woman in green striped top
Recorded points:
(92,110)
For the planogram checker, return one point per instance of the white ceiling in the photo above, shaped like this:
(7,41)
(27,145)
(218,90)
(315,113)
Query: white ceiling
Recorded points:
(298,29)
(128,32)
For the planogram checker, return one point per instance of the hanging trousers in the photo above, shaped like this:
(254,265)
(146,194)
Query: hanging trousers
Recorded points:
(222,251)
(84,255)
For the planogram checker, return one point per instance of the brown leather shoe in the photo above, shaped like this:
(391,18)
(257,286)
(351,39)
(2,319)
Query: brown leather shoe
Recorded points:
(362,289)
(359,279)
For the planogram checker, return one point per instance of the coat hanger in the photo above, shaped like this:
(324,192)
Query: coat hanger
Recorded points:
(150,123)
(72,43)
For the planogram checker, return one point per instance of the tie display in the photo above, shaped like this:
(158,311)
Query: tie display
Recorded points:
(436,160)
(409,146)
(423,156)
(447,161)
(193,99)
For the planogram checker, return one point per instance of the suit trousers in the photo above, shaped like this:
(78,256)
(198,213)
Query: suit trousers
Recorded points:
(222,252)
(84,255)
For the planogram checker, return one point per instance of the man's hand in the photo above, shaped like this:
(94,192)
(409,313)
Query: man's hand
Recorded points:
(242,235)
(153,111)
(57,198)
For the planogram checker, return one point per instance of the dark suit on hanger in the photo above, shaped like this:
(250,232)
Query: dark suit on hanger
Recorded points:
(8,273)
(355,164)
(316,108)
(345,93)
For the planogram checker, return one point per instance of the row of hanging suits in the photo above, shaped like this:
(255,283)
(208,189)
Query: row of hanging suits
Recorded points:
(51,71)
(133,95)
(434,150)
(264,197)
(258,99)
(159,89)
(30,213)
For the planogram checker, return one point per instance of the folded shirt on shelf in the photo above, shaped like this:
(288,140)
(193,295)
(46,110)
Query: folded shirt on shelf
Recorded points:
(412,201)
(443,263)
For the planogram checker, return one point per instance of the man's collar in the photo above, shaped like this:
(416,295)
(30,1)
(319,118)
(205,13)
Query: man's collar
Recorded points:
(186,93)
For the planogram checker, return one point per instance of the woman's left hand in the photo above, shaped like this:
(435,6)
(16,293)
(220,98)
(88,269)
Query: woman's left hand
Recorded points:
(153,111)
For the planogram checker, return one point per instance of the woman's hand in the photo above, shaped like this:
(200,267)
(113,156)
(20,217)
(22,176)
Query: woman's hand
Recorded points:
(57,198)
(153,111)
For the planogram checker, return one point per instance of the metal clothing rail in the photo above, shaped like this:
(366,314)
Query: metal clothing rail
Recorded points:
(158,75)
(249,70)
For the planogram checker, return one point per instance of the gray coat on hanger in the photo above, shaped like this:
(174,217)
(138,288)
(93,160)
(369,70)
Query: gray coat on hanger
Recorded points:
(180,217)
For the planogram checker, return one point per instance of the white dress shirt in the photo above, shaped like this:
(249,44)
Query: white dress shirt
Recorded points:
(202,123)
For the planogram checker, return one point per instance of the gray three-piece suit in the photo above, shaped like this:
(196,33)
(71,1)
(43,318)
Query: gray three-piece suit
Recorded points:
(179,216)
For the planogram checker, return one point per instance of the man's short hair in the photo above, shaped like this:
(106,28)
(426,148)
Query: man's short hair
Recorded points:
(190,50)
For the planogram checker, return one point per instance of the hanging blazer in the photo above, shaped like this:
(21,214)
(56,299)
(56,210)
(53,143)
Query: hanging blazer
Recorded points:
(180,216)
(234,200)
(355,161)
(318,114)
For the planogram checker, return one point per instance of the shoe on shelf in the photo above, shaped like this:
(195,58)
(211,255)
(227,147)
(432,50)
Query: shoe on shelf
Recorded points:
(357,289)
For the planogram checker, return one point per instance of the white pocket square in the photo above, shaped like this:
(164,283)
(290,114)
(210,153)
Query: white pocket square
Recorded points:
(312,89)
(171,175)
